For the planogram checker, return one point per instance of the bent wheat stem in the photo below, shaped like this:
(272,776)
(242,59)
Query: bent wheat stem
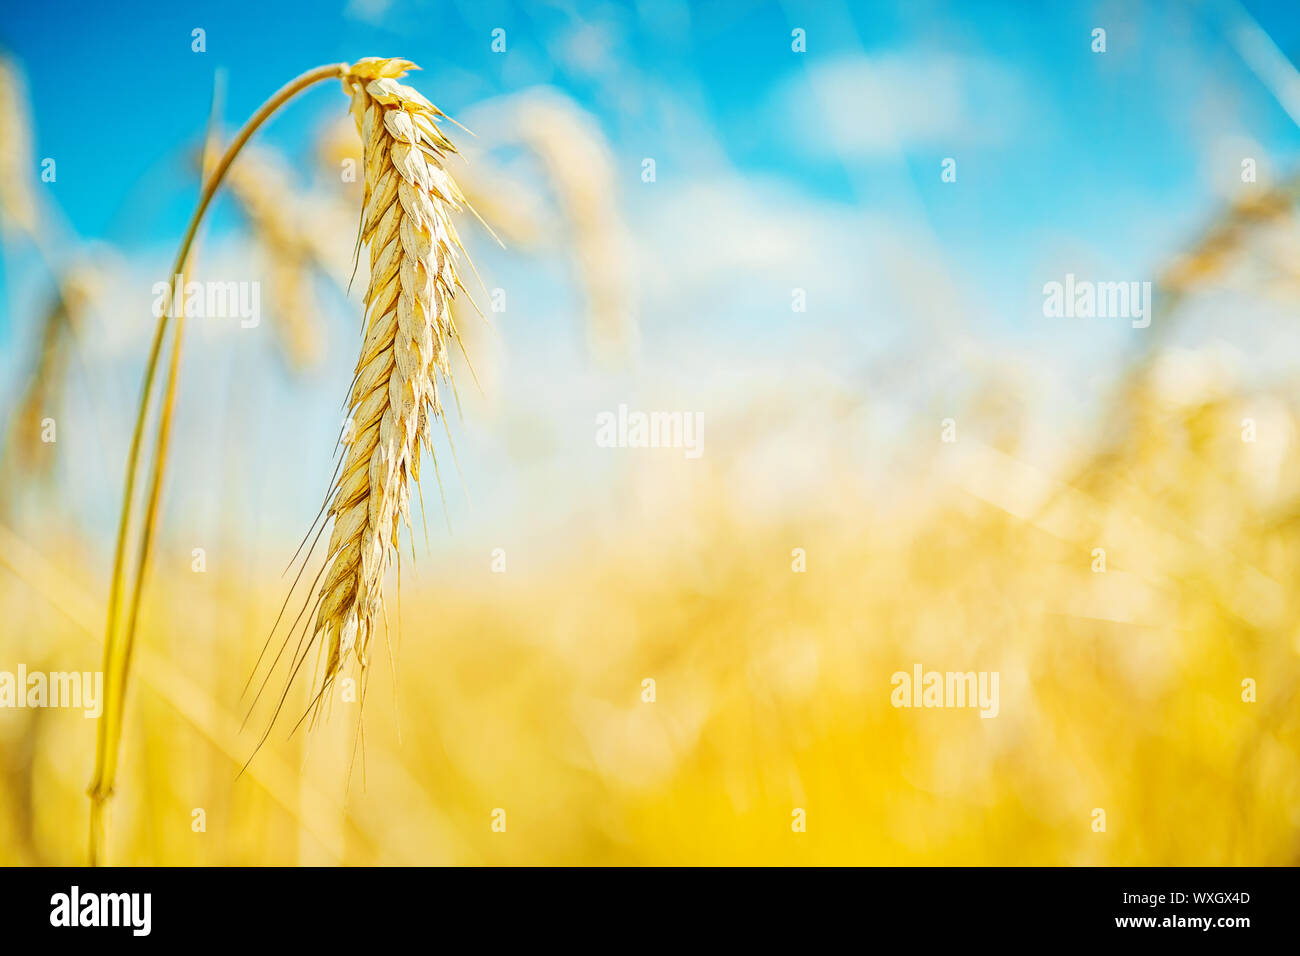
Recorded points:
(118,645)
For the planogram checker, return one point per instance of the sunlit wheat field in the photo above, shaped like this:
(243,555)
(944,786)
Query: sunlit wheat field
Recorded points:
(849,436)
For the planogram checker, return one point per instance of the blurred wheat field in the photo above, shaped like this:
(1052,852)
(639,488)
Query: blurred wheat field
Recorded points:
(523,691)
(600,655)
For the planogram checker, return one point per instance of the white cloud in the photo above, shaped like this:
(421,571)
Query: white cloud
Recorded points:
(367,11)
(873,106)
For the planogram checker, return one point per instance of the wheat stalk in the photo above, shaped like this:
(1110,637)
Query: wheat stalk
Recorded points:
(413,249)
(119,638)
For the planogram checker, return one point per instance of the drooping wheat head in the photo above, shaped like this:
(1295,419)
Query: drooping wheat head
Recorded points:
(406,227)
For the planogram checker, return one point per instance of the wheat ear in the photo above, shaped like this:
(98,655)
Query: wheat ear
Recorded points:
(413,249)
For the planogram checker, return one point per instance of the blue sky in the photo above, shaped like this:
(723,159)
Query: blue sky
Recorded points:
(125,74)
(775,169)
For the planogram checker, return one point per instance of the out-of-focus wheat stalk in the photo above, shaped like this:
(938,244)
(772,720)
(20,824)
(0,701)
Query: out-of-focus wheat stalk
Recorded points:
(75,286)
(406,227)
(1205,258)
(17,198)
(1210,253)
(282,224)
(186,697)
(63,320)
(581,170)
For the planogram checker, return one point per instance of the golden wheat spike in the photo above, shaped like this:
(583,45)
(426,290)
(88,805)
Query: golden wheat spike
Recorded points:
(406,227)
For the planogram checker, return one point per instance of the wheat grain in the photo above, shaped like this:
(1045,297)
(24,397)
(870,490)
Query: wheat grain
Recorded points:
(578,167)
(515,210)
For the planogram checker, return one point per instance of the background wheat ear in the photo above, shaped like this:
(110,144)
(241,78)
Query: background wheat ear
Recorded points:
(62,321)
(279,217)
(17,199)
(578,162)
(577,171)
(413,249)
